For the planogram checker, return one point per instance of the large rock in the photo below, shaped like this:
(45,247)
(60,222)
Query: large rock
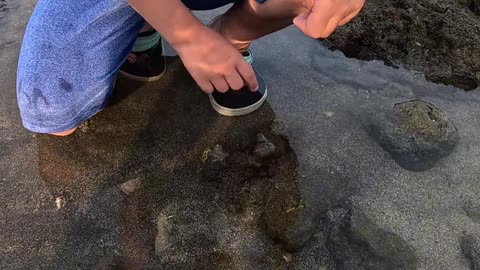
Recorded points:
(438,37)
(472,209)
(356,242)
(417,134)
(293,218)
(471,249)
(387,248)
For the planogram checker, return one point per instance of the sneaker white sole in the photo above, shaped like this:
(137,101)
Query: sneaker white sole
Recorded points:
(237,112)
(140,79)
(145,79)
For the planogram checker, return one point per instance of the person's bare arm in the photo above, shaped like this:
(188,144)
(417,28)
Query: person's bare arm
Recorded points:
(210,59)
(169,17)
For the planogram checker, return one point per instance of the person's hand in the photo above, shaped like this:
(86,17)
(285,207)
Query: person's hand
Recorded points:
(322,17)
(215,64)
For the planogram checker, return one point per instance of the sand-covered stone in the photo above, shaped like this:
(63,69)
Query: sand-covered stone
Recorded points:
(471,249)
(417,134)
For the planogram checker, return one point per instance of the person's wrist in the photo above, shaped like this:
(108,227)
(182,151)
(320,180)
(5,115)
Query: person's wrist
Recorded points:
(187,37)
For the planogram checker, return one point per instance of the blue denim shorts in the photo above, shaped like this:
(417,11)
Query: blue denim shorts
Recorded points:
(70,55)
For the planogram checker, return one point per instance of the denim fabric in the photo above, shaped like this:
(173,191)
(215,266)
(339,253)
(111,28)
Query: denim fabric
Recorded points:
(70,56)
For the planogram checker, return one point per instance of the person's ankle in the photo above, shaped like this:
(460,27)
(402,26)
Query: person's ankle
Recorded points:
(147,27)
(146,41)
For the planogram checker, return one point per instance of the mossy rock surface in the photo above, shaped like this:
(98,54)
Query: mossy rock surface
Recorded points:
(417,134)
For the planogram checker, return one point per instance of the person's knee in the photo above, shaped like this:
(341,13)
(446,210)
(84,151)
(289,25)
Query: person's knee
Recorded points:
(64,133)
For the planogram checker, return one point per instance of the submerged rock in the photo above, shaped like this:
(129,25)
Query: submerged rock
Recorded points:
(279,127)
(215,164)
(471,249)
(216,154)
(336,216)
(264,147)
(472,210)
(385,246)
(293,226)
(3,5)
(355,242)
(417,135)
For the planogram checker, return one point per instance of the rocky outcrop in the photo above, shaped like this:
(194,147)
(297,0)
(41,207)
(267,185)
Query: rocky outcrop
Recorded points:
(440,38)
(471,249)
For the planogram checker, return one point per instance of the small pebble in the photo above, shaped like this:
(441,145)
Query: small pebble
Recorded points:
(131,186)
(337,215)
(329,114)
(398,25)
(218,154)
(264,148)
(278,127)
(261,138)
(288,257)
(84,127)
(59,202)
(215,155)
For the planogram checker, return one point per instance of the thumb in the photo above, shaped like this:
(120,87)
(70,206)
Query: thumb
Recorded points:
(301,22)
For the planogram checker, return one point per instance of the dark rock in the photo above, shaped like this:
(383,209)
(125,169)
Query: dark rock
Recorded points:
(264,147)
(294,218)
(215,164)
(279,127)
(292,225)
(346,253)
(3,5)
(214,155)
(386,246)
(474,6)
(336,216)
(357,243)
(471,249)
(417,135)
(287,218)
(472,210)
(439,38)
(288,257)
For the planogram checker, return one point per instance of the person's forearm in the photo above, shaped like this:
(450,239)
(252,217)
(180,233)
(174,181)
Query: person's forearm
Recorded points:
(171,18)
